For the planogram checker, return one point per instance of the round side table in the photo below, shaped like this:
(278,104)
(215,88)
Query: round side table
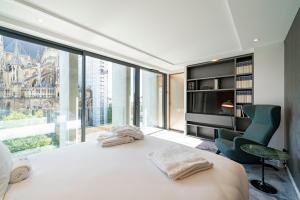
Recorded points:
(264,153)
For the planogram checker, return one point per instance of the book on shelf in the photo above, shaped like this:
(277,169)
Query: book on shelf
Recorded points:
(244,96)
(244,67)
(239,111)
(191,85)
(244,81)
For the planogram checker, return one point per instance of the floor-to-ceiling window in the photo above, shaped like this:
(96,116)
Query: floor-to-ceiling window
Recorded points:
(53,95)
(109,95)
(39,96)
(151,101)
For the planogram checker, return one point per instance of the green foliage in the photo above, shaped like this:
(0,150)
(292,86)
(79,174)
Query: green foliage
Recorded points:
(109,113)
(16,116)
(31,142)
(20,115)
(39,114)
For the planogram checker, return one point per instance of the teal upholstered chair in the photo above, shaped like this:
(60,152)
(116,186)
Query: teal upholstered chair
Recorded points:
(265,121)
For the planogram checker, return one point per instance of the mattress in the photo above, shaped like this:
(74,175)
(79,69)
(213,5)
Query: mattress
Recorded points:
(88,171)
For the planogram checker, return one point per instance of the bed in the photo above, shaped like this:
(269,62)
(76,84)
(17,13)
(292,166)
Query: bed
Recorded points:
(88,171)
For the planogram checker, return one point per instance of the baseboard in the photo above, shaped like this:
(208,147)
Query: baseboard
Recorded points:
(293,182)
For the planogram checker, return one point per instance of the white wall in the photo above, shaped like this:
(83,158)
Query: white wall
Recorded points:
(269,83)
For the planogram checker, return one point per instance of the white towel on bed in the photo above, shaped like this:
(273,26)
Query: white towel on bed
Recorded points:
(179,162)
(20,171)
(131,131)
(113,141)
(105,135)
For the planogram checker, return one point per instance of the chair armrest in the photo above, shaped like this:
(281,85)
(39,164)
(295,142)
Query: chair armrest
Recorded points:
(227,134)
(239,141)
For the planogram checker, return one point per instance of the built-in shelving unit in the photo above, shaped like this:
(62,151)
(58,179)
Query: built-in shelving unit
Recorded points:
(244,90)
(216,92)
(212,90)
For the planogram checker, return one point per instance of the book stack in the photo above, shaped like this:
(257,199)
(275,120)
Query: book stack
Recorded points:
(244,67)
(244,96)
(191,85)
(244,81)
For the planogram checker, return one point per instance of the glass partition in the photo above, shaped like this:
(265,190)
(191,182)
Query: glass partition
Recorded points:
(151,101)
(109,96)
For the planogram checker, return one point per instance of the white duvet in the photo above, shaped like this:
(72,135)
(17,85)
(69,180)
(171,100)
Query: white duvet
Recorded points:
(89,172)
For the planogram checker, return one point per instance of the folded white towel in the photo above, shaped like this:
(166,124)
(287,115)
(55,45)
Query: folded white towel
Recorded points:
(113,141)
(131,131)
(20,171)
(179,162)
(105,135)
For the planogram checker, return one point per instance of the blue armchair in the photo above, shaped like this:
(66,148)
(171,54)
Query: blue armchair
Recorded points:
(265,121)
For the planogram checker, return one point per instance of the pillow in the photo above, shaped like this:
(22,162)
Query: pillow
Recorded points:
(5,168)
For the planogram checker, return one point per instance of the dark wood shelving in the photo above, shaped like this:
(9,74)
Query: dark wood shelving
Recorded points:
(208,126)
(210,114)
(242,118)
(243,88)
(245,74)
(211,77)
(221,77)
(212,90)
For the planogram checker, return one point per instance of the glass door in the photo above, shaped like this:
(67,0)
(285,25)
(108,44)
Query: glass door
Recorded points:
(151,101)
(176,101)
(109,96)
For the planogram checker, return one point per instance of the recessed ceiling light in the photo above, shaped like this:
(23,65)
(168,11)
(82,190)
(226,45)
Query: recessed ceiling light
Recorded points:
(255,40)
(40,20)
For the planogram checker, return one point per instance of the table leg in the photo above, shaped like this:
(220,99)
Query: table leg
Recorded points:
(262,185)
(263,171)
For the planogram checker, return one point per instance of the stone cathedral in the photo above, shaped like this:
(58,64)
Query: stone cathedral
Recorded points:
(28,83)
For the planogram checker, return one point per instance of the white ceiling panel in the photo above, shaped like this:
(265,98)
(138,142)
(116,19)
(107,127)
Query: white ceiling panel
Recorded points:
(267,20)
(161,34)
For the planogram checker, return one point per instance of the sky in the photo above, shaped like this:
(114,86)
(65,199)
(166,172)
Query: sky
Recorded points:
(26,48)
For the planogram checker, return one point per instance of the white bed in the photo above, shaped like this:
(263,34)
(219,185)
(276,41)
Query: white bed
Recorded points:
(89,172)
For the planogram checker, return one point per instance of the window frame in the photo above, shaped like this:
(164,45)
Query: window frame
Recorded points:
(45,42)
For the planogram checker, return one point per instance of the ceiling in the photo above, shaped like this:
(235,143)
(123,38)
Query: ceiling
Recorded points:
(161,34)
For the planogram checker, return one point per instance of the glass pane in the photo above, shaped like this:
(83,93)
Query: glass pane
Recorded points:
(151,101)
(109,96)
(40,96)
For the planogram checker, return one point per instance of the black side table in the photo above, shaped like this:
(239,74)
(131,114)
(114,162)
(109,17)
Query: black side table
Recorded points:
(264,153)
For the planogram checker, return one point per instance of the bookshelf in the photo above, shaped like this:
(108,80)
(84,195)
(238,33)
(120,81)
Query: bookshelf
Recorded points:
(211,85)
(244,90)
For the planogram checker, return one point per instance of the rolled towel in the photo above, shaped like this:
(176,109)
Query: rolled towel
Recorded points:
(179,162)
(131,131)
(116,141)
(20,171)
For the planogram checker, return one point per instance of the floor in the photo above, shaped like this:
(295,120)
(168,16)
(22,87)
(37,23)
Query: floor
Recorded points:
(279,179)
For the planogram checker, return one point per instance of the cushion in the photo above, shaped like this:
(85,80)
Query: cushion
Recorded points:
(5,168)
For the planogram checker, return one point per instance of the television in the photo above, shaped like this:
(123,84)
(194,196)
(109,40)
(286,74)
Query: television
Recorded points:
(210,102)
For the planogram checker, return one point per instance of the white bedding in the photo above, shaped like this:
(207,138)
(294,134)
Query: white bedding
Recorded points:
(89,172)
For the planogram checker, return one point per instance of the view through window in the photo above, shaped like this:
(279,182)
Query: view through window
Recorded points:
(40,96)
(41,100)
(109,95)
(151,101)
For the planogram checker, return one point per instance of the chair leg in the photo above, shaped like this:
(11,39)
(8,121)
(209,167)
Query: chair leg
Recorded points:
(218,152)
